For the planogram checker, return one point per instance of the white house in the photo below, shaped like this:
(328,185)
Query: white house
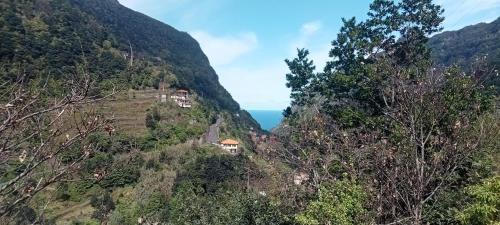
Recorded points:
(181,97)
(230,145)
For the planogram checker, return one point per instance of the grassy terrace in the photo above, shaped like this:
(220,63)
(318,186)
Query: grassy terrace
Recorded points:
(129,110)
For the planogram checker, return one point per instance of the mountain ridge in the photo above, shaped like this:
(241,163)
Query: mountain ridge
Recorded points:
(464,45)
(153,37)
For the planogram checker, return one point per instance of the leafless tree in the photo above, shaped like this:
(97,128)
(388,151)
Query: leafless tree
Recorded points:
(437,125)
(36,127)
(432,124)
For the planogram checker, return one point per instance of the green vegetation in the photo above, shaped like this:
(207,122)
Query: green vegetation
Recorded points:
(466,45)
(171,125)
(378,136)
(190,206)
(341,203)
(414,137)
(103,205)
(54,38)
(483,203)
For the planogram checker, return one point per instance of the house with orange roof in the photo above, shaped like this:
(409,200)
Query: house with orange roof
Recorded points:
(230,145)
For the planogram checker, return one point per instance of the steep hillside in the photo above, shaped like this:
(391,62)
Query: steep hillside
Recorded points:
(463,46)
(112,41)
(153,39)
(55,39)
(151,149)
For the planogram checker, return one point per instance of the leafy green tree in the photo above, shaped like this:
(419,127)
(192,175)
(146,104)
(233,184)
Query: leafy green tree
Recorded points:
(395,31)
(215,172)
(384,109)
(483,206)
(342,203)
(124,171)
(300,76)
(156,203)
(186,205)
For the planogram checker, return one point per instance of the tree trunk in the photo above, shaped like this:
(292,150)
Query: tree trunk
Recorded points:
(417,215)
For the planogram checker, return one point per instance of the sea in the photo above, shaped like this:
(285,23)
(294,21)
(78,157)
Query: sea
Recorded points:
(267,119)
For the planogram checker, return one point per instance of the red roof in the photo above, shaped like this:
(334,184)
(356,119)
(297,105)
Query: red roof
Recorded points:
(229,142)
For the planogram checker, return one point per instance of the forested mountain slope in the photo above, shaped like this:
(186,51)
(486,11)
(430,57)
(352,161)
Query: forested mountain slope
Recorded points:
(134,155)
(54,37)
(154,39)
(463,46)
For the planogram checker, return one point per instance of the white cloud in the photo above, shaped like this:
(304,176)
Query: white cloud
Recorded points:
(466,12)
(224,50)
(308,39)
(310,28)
(307,32)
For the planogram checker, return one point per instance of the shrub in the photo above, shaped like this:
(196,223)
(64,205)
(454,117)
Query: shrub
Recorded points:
(77,189)
(156,202)
(152,164)
(484,203)
(62,192)
(98,161)
(124,171)
(340,203)
(213,172)
(103,206)
(116,218)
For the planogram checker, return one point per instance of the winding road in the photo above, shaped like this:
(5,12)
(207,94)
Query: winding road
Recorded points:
(213,132)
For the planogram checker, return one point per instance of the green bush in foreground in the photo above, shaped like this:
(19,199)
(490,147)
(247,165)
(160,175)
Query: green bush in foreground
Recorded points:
(484,205)
(340,203)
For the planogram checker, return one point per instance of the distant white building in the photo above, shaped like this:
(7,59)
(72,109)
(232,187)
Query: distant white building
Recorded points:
(181,97)
(300,177)
(230,145)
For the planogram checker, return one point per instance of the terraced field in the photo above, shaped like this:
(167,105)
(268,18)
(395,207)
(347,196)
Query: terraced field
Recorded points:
(128,110)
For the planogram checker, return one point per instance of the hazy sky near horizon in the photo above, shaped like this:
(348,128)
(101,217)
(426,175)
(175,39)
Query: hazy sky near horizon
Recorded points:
(247,41)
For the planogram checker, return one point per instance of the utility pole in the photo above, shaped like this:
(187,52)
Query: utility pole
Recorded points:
(131,53)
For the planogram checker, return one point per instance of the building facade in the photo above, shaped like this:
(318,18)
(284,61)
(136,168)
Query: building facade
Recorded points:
(181,97)
(230,145)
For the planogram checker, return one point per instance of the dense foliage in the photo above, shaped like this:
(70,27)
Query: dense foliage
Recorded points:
(483,203)
(381,135)
(411,135)
(341,203)
(52,38)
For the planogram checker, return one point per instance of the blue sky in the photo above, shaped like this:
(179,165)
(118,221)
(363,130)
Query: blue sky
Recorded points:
(248,40)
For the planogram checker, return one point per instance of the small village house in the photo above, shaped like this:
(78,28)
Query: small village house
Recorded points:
(300,177)
(230,145)
(181,97)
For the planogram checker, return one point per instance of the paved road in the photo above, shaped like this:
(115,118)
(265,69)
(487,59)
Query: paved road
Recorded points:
(213,132)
